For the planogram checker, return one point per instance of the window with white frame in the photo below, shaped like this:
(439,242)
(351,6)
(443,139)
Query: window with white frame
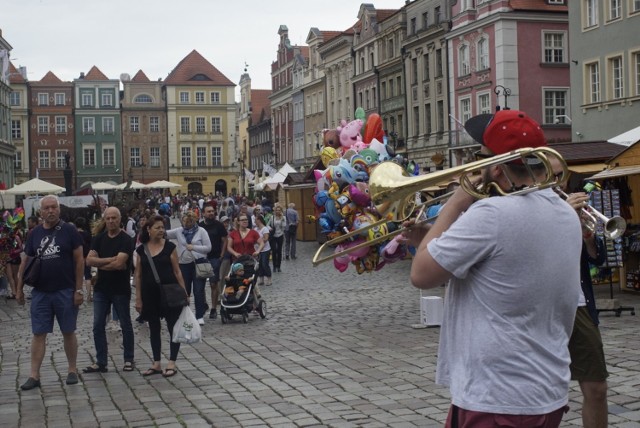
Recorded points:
(61,124)
(154,124)
(554,47)
(14,98)
(16,129)
(484,103)
(555,104)
(17,161)
(154,156)
(482,49)
(216,125)
(44,159)
(199,96)
(616,80)
(107,125)
(107,100)
(635,57)
(464,67)
(216,156)
(88,125)
(135,156)
(43,99)
(201,127)
(465,109)
(43,124)
(89,156)
(593,75)
(185,125)
(184,97)
(143,99)
(60,160)
(614,9)
(87,99)
(134,123)
(635,6)
(60,98)
(215,97)
(590,13)
(201,156)
(185,156)
(108,155)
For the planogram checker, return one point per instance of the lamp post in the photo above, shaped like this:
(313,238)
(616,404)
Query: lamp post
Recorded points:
(499,89)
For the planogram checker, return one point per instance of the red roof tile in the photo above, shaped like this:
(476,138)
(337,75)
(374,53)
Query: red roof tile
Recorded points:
(194,69)
(328,35)
(140,77)
(14,75)
(259,102)
(49,79)
(382,14)
(537,5)
(95,74)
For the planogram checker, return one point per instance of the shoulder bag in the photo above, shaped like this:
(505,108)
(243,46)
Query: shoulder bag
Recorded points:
(172,295)
(33,265)
(203,266)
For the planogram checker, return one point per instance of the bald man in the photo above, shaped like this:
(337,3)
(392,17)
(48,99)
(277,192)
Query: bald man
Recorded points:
(111,252)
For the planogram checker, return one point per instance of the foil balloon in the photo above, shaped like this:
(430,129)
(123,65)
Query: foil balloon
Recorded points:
(373,129)
(328,153)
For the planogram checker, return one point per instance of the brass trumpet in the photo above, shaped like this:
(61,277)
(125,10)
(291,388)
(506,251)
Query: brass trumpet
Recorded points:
(393,190)
(614,227)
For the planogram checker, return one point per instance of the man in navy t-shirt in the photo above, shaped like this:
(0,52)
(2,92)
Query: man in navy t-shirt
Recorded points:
(59,290)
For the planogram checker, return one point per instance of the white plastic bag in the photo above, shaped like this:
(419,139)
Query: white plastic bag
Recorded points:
(187,329)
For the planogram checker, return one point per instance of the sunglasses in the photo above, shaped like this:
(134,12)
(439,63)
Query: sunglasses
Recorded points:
(479,155)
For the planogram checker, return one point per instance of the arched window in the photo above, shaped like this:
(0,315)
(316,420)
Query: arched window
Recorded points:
(483,54)
(143,99)
(464,68)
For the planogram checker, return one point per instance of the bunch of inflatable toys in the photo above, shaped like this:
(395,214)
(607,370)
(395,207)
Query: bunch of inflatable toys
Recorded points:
(349,154)
(9,227)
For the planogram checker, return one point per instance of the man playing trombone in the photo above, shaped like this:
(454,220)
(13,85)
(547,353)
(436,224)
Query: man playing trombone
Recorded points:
(511,263)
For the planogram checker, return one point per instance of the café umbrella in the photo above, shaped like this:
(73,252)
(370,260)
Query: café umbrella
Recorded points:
(35,186)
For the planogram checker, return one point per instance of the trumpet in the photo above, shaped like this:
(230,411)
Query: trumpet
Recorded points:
(614,227)
(393,190)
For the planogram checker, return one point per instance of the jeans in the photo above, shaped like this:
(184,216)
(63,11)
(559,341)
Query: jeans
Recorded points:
(263,267)
(290,243)
(199,296)
(101,305)
(276,249)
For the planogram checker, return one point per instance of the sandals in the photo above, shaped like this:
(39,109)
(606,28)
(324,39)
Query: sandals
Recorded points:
(128,366)
(170,372)
(95,368)
(151,371)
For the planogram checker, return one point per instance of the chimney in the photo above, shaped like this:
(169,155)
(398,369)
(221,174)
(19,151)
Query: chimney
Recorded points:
(23,71)
(82,75)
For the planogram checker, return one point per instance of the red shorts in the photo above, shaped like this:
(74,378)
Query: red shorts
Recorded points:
(461,418)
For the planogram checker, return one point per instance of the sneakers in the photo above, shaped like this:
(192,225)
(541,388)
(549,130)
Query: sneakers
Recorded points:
(213,314)
(201,321)
(30,384)
(72,378)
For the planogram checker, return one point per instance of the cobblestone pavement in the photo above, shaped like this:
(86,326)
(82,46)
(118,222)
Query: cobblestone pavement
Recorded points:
(336,350)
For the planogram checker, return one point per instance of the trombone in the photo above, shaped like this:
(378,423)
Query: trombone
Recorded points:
(393,191)
(614,227)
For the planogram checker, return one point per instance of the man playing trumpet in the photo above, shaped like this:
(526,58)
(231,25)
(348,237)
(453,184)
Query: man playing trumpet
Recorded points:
(511,263)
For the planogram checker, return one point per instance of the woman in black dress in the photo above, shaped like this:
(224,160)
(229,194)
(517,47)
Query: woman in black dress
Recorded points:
(148,303)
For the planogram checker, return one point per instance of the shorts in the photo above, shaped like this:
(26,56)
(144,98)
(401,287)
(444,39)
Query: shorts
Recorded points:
(585,348)
(215,264)
(461,418)
(47,305)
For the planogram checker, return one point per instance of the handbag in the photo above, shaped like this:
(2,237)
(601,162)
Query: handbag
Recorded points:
(172,295)
(33,265)
(204,268)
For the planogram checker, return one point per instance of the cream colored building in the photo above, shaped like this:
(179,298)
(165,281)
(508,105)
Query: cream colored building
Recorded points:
(201,128)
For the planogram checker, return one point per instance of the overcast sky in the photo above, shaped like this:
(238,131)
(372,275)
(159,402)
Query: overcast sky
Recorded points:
(124,36)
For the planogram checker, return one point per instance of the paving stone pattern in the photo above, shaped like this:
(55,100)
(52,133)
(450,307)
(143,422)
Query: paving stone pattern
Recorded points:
(336,350)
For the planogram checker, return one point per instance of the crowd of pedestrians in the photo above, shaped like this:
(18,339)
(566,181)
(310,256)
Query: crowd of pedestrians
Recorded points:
(103,263)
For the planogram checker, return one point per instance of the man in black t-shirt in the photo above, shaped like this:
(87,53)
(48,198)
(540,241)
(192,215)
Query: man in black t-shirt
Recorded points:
(218,236)
(111,252)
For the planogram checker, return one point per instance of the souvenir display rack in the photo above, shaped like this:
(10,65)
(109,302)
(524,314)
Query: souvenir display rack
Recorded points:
(608,203)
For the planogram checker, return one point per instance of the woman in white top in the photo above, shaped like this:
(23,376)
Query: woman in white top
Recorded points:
(278,225)
(193,243)
(264,271)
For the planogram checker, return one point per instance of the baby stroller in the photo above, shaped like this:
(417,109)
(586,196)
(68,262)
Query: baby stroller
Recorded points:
(242,298)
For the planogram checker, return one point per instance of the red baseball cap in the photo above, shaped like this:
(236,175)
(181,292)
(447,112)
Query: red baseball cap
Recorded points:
(505,131)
